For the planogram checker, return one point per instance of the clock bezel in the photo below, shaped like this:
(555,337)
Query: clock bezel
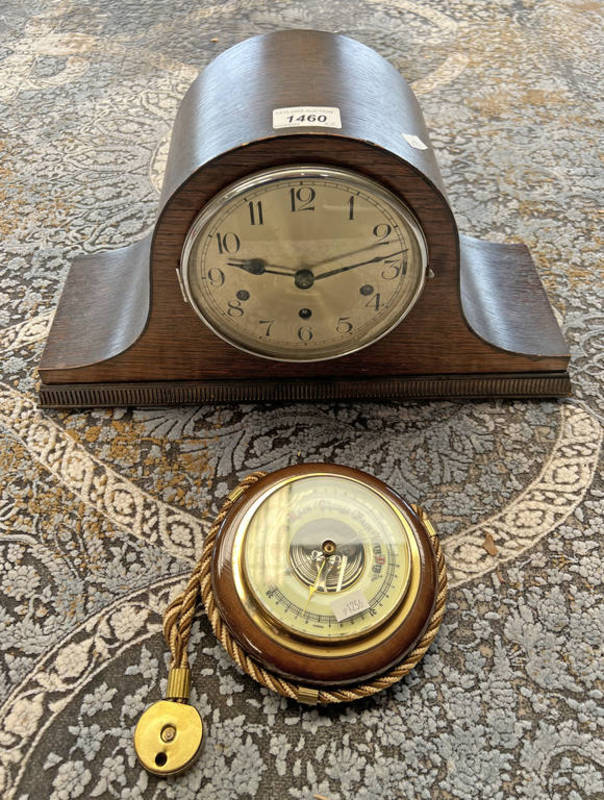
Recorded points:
(292,172)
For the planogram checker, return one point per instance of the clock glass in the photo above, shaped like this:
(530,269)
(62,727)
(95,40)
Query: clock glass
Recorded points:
(303,263)
(325,557)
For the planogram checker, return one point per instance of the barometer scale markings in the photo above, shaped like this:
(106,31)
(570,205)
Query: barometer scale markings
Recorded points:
(381,594)
(281,599)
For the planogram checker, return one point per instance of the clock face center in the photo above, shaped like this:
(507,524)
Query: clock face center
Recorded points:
(304,279)
(256,266)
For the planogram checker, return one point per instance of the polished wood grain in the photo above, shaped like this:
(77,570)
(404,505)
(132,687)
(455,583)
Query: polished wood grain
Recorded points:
(103,308)
(483,311)
(338,670)
(503,300)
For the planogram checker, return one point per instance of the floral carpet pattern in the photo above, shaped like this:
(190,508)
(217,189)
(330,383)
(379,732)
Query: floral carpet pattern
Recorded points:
(103,512)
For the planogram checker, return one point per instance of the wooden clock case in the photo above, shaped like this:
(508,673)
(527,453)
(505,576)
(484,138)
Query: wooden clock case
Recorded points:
(123,334)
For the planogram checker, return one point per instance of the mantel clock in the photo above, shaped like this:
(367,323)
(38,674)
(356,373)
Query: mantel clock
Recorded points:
(304,249)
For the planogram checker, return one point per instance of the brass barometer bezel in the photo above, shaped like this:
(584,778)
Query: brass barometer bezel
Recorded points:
(288,635)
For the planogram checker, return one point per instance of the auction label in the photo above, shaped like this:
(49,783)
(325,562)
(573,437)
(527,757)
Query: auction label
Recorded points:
(303,116)
(349,606)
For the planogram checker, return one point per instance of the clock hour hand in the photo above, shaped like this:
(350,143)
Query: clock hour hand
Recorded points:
(374,260)
(258,266)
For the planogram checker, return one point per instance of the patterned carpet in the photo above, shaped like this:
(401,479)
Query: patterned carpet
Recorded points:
(102,512)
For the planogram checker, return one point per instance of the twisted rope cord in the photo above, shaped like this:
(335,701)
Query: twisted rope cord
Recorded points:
(179,615)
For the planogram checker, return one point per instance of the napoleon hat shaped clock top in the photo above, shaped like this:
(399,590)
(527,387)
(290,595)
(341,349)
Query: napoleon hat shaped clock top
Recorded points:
(304,249)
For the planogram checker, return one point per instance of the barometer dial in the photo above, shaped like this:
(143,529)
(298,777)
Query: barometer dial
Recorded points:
(326,557)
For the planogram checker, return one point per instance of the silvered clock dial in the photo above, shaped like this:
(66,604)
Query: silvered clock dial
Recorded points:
(304,263)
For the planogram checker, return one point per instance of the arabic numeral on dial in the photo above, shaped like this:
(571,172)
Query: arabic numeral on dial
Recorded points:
(351,207)
(343,325)
(228,242)
(392,270)
(382,231)
(301,199)
(234,309)
(304,333)
(374,301)
(215,277)
(269,324)
(256,217)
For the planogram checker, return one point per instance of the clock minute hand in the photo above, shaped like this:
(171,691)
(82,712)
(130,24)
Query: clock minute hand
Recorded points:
(339,257)
(358,264)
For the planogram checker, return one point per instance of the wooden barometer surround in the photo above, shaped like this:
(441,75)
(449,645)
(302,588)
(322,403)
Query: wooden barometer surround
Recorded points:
(481,326)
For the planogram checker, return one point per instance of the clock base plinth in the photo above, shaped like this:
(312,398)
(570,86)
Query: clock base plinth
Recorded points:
(407,387)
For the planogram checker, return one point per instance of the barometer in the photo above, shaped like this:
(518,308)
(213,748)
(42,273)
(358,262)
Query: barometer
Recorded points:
(324,575)
(304,248)
(321,583)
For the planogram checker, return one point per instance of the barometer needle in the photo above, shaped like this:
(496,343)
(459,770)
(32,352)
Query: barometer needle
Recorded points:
(341,573)
(313,588)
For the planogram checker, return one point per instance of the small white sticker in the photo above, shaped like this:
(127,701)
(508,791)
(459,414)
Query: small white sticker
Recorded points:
(349,605)
(302,116)
(414,141)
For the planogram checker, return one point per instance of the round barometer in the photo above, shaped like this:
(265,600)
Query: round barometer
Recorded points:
(303,263)
(324,575)
(319,581)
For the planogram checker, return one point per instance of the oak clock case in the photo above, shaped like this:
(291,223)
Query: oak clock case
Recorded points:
(324,575)
(311,261)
